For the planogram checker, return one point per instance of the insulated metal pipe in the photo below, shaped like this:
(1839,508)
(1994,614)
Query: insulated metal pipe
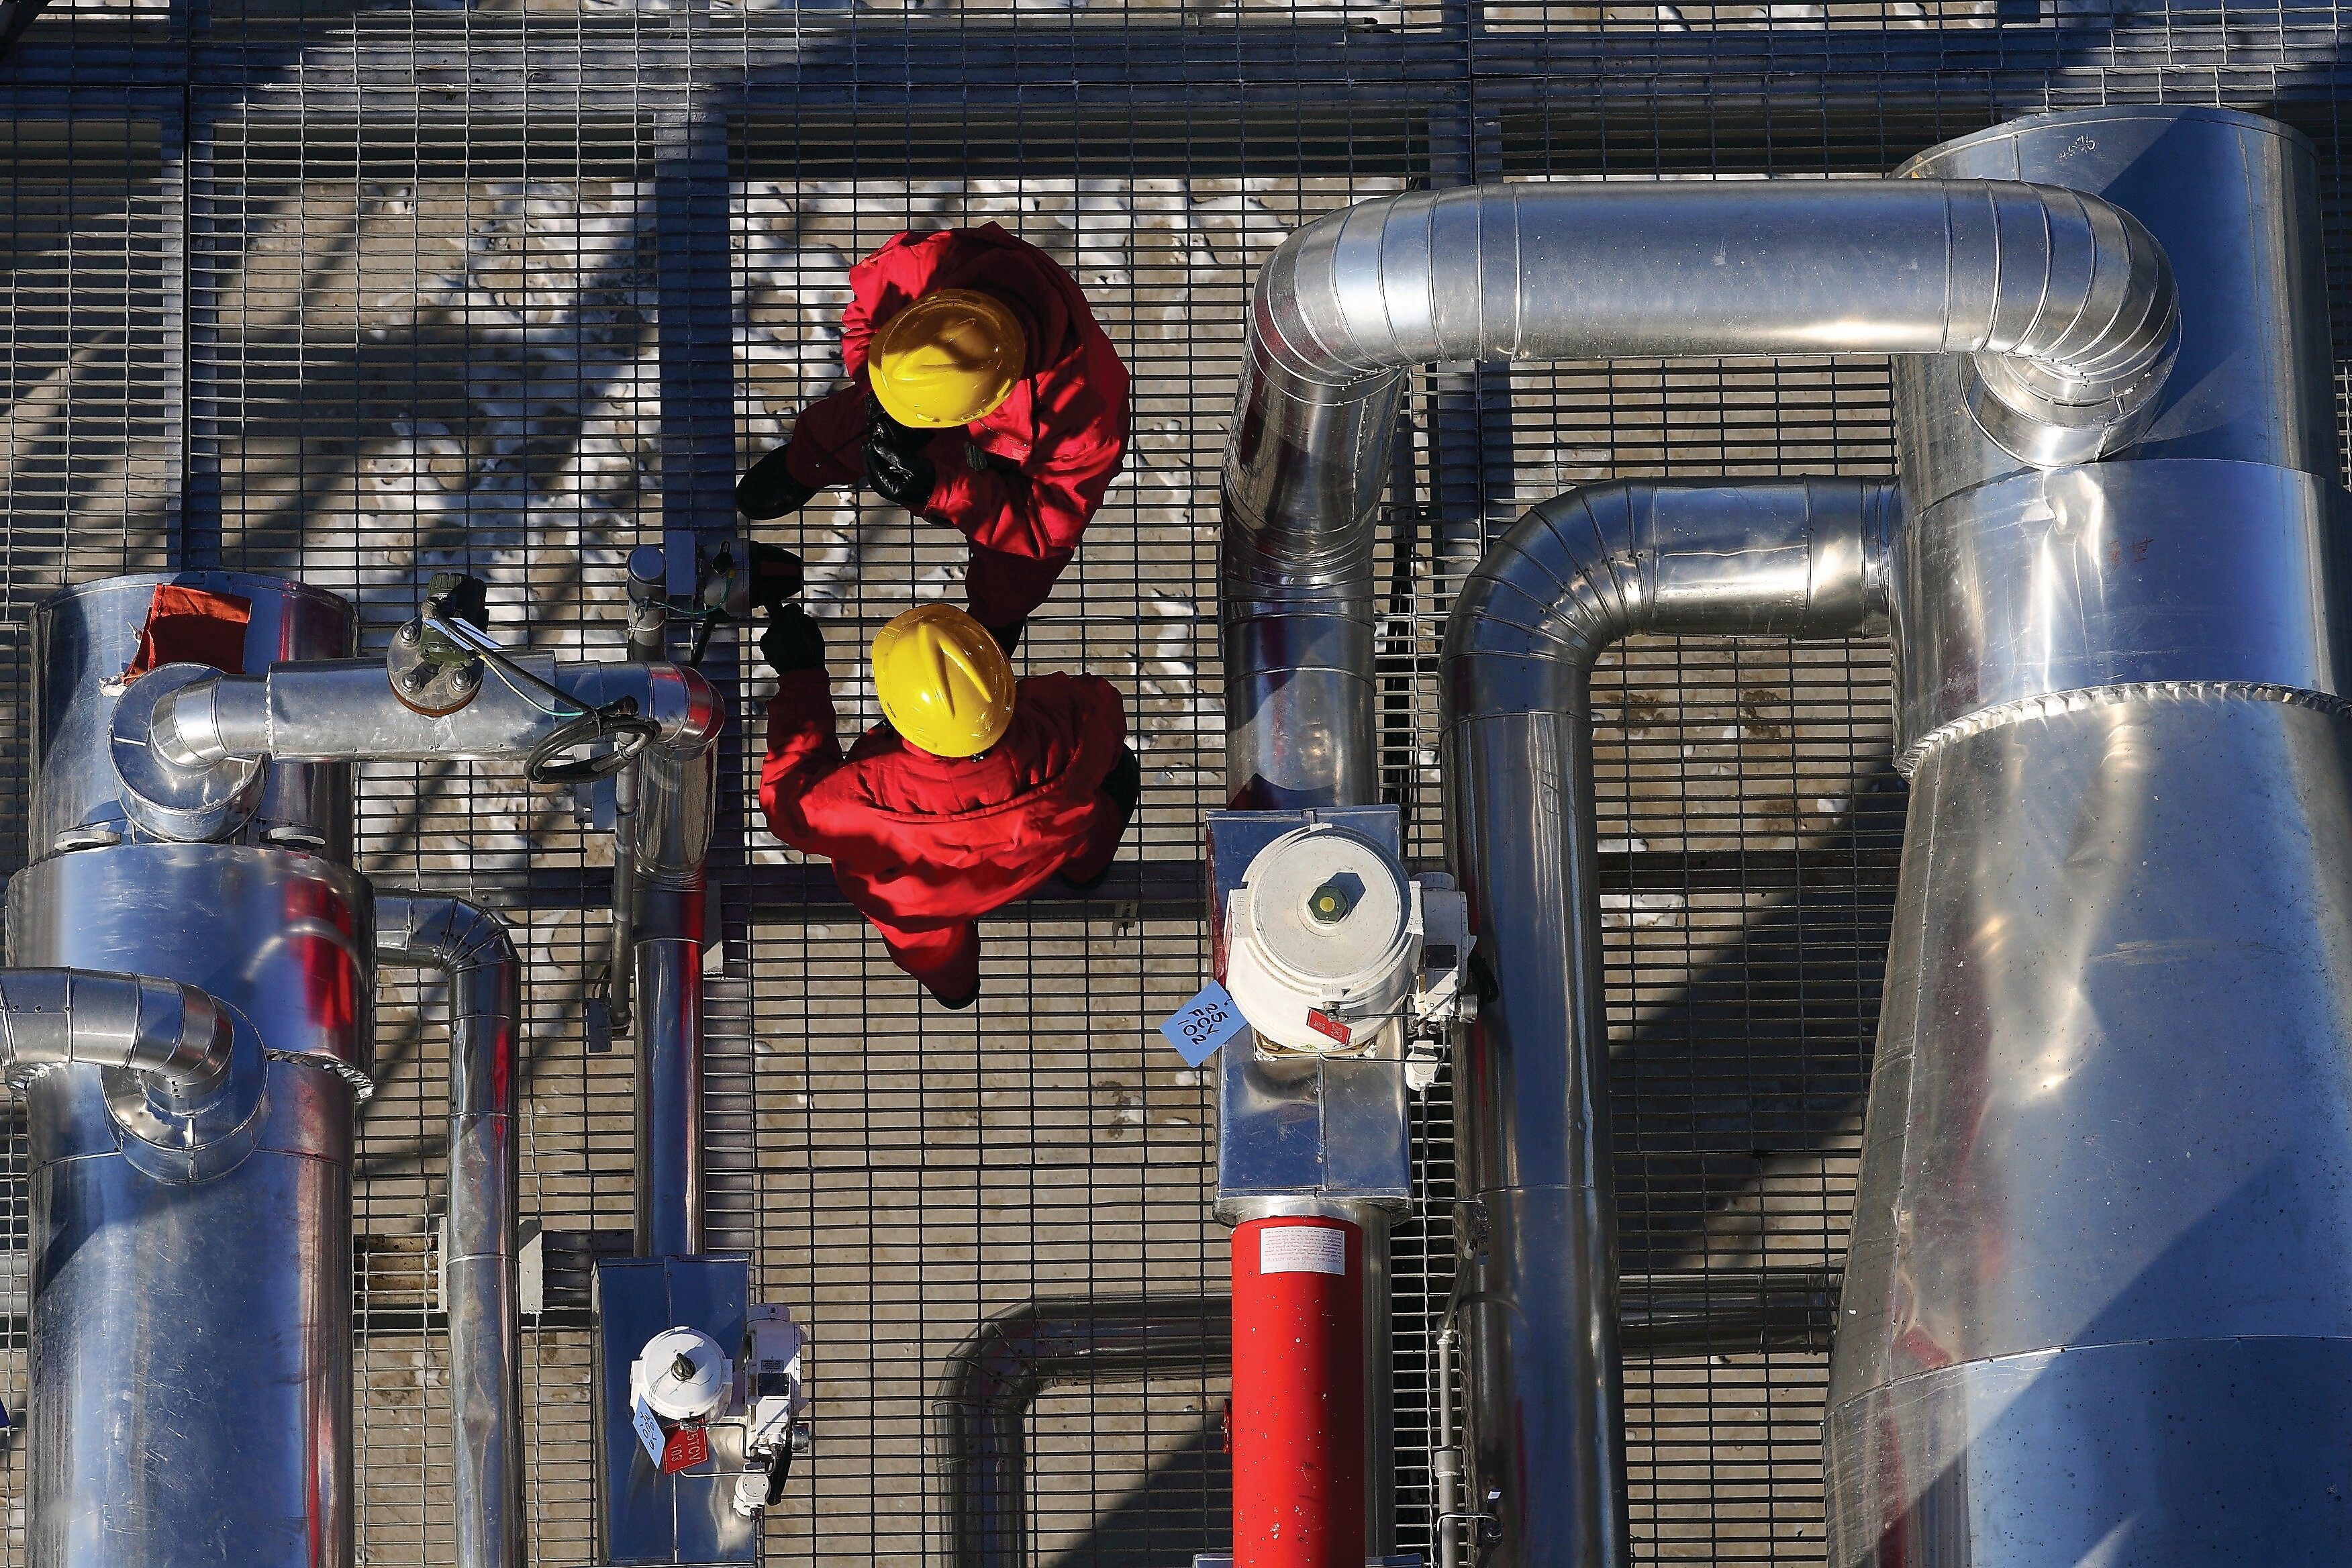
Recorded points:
(980,1408)
(1801,558)
(2098,1299)
(345,710)
(2064,304)
(479,1285)
(669,1188)
(190,1382)
(670,836)
(55,1018)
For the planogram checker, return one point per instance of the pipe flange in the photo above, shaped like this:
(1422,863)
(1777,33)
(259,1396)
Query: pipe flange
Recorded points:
(185,804)
(424,677)
(184,1134)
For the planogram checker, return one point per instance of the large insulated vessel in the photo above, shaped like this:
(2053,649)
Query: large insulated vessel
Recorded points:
(191,1322)
(2099,1303)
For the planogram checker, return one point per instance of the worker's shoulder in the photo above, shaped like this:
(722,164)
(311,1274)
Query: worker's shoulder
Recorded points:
(1073,703)
(869,779)
(1062,686)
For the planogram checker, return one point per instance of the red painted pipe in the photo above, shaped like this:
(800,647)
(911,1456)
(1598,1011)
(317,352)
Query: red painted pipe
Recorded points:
(1298,1393)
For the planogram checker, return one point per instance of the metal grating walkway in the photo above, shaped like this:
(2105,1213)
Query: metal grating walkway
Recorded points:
(360,292)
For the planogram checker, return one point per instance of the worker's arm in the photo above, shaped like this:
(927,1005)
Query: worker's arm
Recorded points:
(826,437)
(1034,512)
(1090,716)
(886,283)
(1106,721)
(803,748)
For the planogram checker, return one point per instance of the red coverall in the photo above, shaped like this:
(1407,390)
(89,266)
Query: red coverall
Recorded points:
(1022,483)
(923,846)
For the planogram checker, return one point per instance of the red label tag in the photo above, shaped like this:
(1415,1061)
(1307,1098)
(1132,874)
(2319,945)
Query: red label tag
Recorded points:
(687,1447)
(1322,1025)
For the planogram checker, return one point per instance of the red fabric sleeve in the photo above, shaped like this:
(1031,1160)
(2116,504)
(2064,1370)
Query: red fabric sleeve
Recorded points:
(828,439)
(886,283)
(1106,719)
(802,751)
(1033,512)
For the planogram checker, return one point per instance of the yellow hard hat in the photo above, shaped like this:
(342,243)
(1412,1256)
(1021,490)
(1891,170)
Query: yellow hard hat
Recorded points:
(948,359)
(944,683)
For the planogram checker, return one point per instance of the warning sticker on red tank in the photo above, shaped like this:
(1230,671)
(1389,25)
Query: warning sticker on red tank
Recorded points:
(1302,1249)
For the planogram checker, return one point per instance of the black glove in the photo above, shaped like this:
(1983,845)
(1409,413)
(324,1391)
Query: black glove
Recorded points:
(880,426)
(792,641)
(771,575)
(770,489)
(895,464)
(899,478)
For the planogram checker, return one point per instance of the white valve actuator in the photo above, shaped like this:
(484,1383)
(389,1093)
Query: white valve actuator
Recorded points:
(683,1375)
(1323,941)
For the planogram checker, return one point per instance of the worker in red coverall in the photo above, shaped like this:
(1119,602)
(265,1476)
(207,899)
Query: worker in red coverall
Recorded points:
(984,396)
(973,792)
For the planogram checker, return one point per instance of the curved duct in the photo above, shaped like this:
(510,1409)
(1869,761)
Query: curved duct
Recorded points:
(2065,303)
(59,1018)
(480,1292)
(979,1412)
(1804,558)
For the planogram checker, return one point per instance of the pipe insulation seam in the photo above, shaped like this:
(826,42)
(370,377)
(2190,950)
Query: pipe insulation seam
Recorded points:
(2080,700)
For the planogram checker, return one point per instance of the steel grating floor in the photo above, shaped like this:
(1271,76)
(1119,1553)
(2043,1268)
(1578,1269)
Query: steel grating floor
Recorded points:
(359,293)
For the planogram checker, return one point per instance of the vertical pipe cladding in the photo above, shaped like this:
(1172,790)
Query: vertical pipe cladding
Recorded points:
(481,1292)
(2098,1300)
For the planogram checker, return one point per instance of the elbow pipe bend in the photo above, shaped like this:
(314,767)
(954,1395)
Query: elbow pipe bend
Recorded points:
(2065,302)
(55,1018)
(1783,558)
(1798,558)
(987,1383)
(471,947)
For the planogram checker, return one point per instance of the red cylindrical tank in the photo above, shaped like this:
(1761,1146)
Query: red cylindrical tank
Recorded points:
(1298,1393)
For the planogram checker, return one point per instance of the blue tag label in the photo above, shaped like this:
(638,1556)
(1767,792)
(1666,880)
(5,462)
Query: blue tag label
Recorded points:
(1204,1023)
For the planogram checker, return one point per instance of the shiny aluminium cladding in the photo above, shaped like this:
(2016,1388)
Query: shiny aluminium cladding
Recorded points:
(192,1341)
(2099,1301)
